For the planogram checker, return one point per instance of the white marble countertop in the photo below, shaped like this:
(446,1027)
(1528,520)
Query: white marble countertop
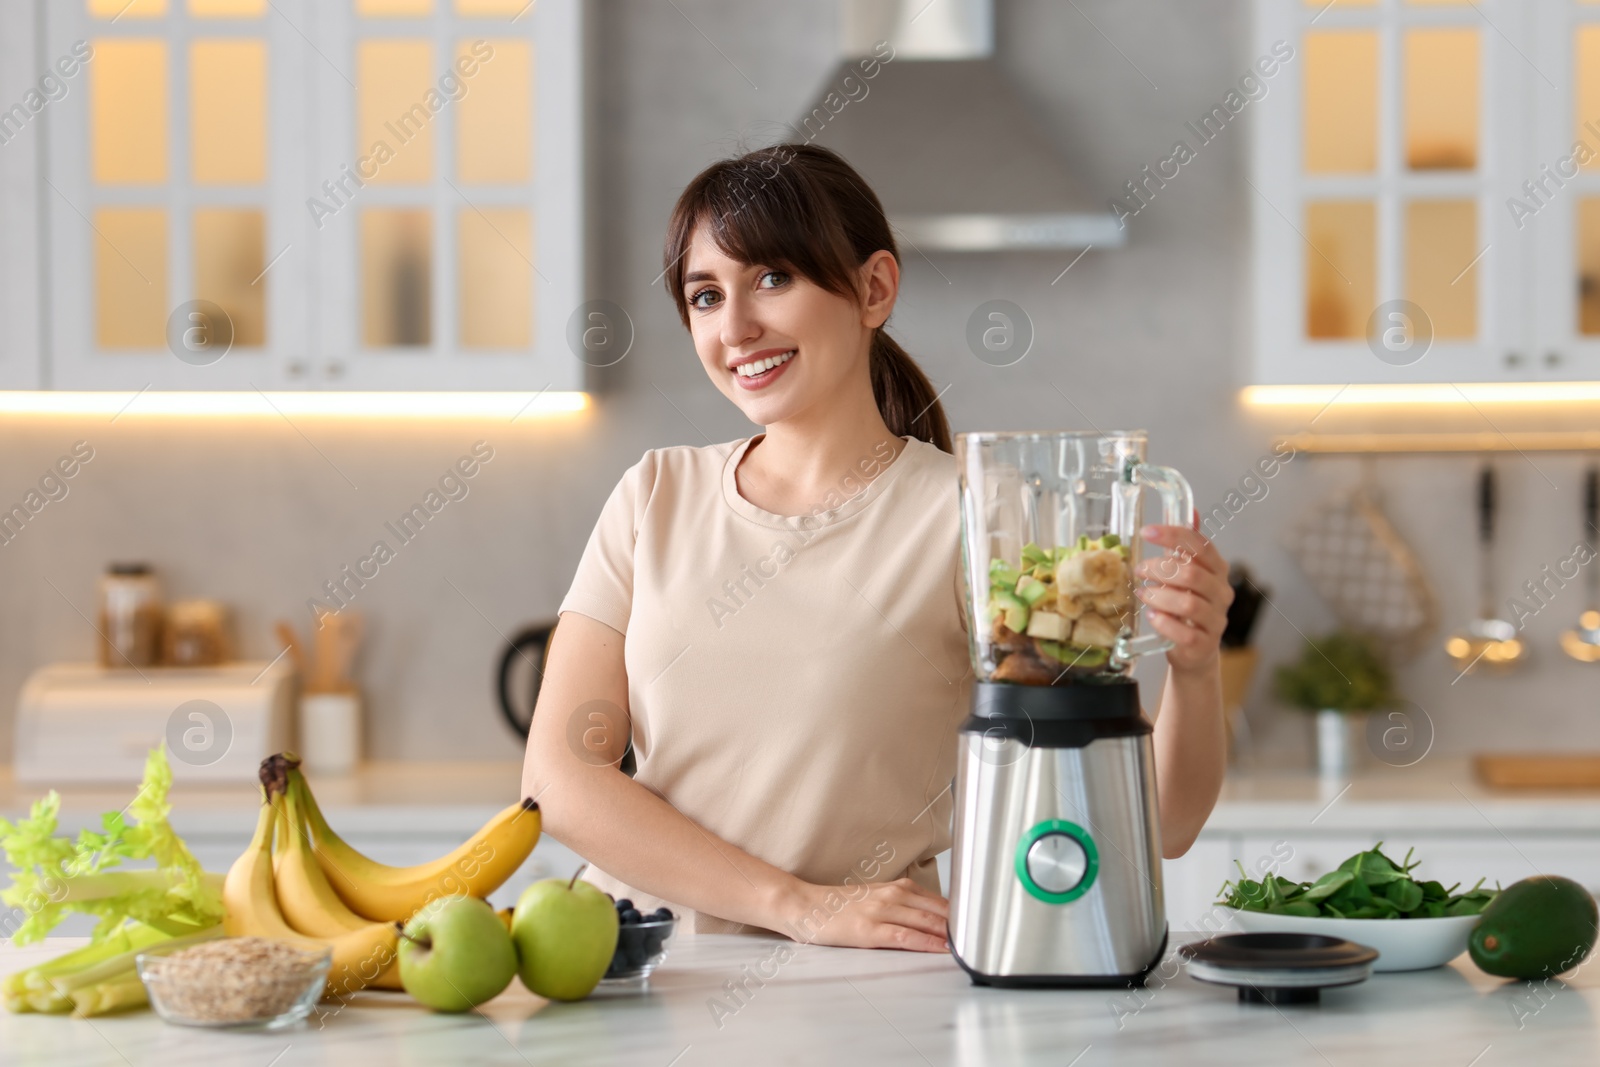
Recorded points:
(847,1006)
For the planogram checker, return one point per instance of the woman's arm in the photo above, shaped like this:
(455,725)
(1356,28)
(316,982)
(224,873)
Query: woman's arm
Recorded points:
(1189,607)
(632,833)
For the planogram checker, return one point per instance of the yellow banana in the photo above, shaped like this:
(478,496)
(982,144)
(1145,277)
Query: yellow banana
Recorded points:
(378,892)
(307,901)
(250,909)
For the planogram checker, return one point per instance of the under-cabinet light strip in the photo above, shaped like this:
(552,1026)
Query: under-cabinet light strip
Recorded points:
(235,404)
(1436,394)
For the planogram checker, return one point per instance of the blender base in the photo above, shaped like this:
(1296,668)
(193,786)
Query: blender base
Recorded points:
(1063,981)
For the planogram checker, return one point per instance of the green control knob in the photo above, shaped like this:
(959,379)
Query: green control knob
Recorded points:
(1057,861)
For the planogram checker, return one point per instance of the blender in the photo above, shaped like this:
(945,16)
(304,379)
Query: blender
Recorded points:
(1056,861)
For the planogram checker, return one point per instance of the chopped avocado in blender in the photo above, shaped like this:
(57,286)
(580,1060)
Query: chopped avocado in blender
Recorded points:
(1033,555)
(1003,574)
(1072,655)
(1031,590)
(1011,607)
(1037,610)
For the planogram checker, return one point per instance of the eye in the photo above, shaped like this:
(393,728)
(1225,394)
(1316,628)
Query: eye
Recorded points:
(694,301)
(782,277)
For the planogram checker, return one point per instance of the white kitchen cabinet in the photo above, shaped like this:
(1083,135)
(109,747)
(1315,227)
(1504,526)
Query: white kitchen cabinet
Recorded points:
(1190,882)
(1423,207)
(331,282)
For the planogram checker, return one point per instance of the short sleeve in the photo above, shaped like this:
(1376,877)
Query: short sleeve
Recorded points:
(602,588)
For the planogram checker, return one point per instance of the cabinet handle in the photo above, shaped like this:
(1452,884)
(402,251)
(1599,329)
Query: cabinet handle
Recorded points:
(1552,359)
(1513,359)
(334,369)
(295,369)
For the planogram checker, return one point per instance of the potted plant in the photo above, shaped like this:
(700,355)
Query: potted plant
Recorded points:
(1342,677)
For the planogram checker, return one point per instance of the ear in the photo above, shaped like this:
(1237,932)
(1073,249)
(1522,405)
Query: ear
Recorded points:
(880,282)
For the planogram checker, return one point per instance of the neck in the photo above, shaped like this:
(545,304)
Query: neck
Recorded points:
(814,449)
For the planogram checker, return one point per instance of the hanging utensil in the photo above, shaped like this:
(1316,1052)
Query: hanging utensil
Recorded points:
(1357,561)
(1488,639)
(1583,642)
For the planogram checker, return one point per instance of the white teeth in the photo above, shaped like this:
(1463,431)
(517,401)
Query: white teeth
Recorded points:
(761,366)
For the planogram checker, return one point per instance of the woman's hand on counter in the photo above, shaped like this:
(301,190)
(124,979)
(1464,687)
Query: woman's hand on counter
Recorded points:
(899,914)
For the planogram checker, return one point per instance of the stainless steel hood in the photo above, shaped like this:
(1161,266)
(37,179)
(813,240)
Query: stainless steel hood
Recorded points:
(960,164)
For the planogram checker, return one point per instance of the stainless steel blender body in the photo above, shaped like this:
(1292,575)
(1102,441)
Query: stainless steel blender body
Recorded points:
(1056,867)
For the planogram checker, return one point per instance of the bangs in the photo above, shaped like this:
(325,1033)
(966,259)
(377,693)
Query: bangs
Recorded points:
(759,211)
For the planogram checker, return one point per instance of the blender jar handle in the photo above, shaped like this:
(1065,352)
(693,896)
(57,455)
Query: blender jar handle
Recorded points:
(1177,509)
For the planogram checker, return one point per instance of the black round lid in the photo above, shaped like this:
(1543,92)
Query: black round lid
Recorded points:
(129,570)
(1279,950)
(1279,968)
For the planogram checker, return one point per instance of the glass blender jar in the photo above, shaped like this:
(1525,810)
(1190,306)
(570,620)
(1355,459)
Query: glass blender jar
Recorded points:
(1050,539)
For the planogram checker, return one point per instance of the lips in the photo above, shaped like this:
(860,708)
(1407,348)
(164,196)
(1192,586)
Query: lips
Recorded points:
(756,367)
(758,373)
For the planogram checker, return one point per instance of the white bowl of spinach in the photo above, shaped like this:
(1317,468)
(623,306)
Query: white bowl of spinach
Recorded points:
(1368,899)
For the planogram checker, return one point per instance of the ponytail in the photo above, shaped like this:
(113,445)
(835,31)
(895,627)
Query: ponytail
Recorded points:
(906,399)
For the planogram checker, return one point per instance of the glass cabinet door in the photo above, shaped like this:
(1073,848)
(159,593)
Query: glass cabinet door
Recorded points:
(447,245)
(1383,253)
(1557,201)
(171,196)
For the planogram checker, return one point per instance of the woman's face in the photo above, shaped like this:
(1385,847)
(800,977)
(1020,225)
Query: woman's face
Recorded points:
(744,315)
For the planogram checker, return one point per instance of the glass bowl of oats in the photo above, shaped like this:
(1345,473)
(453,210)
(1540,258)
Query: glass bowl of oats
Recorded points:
(235,982)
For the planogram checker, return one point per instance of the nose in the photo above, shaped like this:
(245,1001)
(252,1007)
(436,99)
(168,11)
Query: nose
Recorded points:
(739,324)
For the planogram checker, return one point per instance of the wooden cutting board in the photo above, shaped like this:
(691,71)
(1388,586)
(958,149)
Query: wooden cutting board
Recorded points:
(1532,770)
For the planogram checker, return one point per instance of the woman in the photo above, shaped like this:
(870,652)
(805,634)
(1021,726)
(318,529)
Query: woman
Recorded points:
(795,662)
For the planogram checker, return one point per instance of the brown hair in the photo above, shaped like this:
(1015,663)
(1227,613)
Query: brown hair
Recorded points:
(802,208)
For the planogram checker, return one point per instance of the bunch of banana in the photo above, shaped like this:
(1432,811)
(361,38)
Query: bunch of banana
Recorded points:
(314,888)
(252,907)
(375,891)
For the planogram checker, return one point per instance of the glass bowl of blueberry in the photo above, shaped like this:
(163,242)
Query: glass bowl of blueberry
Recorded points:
(641,944)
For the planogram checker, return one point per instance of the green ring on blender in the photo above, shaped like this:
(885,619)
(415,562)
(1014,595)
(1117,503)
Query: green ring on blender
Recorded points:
(1078,834)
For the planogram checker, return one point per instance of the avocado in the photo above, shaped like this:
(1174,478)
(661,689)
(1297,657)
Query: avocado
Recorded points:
(1073,655)
(1013,607)
(1539,927)
(1110,540)
(1033,555)
(1003,574)
(1031,590)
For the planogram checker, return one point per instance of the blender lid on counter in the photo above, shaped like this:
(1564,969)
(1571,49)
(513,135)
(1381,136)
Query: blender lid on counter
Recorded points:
(1279,968)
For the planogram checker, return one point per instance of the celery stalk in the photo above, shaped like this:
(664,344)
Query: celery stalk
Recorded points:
(111,996)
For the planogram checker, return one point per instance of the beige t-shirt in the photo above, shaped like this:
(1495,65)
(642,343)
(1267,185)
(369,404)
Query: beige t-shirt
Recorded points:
(795,682)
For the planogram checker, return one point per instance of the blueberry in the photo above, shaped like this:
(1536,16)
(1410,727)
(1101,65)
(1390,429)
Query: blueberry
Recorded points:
(630,916)
(660,915)
(624,904)
(652,942)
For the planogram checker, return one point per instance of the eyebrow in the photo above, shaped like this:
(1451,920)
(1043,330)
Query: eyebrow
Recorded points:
(699,276)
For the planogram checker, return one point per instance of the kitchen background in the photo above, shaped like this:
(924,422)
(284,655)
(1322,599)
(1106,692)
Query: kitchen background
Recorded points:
(259,512)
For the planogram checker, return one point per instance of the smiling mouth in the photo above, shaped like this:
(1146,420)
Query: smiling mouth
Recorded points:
(756,368)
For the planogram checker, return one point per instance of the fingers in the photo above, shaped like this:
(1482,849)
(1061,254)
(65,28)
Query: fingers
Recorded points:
(1181,633)
(914,919)
(926,898)
(1191,608)
(1187,545)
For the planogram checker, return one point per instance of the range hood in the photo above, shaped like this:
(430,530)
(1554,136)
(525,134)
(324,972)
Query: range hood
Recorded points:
(960,164)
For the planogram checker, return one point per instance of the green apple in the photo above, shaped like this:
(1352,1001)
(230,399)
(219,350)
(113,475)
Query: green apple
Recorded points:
(455,954)
(566,934)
